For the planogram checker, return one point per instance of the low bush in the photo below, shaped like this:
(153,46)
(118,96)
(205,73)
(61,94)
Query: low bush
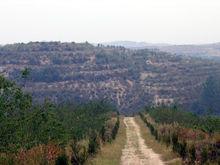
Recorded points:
(192,144)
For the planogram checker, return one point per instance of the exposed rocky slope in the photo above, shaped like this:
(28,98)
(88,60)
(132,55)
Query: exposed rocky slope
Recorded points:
(129,78)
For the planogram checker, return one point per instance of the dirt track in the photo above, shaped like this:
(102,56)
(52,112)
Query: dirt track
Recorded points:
(136,152)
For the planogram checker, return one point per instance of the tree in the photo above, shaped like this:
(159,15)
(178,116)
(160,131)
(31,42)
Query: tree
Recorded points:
(24,75)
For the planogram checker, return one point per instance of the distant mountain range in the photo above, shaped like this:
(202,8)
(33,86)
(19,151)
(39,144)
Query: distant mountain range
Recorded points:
(204,50)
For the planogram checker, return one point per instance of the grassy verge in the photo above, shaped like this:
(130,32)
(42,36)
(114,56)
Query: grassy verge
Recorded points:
(110,153)
(167,155)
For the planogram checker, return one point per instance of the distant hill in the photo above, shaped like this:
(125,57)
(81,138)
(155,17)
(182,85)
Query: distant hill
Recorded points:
(129,78)
(205,50)
(133,45)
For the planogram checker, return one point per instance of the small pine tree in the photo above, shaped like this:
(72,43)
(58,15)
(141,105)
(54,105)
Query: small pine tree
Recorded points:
(62,160)
(24,75)
(204,155)
(192,152)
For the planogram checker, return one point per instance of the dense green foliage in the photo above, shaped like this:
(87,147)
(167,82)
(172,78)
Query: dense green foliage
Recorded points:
(24,126)
(14,108)
(169,115)
(85,118)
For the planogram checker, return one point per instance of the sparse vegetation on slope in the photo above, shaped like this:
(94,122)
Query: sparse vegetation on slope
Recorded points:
(71,72)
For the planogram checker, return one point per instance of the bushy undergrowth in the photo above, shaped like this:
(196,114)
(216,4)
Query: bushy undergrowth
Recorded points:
(40,134)
(185,133)
(169,115)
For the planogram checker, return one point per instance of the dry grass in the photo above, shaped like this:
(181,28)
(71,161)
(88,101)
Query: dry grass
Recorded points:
(167,155)
(110,154)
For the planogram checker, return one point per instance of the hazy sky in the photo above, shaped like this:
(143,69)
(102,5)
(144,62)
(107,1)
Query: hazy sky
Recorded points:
(154,21)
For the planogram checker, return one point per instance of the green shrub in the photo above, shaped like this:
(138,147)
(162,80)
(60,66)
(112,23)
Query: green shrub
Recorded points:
(94,144)
(172,128)
(182,149)
(192,153)
(204,155)
(62,160)
(115,129)
(79,152)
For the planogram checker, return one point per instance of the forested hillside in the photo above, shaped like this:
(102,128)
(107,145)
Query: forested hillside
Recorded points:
(209,100)
(49,134)
(130,79)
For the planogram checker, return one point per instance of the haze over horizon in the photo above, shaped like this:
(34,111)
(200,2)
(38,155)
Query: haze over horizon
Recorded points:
(95,21)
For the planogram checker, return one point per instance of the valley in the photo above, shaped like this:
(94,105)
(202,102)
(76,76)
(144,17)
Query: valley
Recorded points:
(130,79)
(110,82)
